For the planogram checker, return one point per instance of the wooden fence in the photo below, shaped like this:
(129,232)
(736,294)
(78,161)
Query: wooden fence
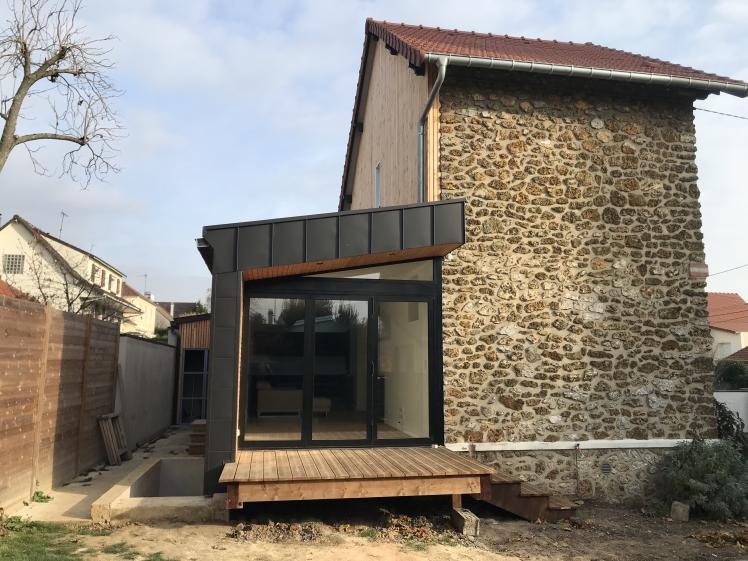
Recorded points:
(57,375)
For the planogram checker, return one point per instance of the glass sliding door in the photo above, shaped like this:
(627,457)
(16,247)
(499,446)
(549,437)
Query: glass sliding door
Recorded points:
(340,388)
(275,370)
(401,387)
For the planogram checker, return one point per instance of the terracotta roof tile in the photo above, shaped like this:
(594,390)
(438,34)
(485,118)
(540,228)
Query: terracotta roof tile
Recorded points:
(741,355)
(415,41)
(727,311)
(10,292)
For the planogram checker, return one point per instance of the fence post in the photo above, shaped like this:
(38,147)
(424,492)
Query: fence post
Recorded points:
(41,384)
(86,350)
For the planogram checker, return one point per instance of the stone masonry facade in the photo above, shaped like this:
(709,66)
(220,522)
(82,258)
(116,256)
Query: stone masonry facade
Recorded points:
(570,313)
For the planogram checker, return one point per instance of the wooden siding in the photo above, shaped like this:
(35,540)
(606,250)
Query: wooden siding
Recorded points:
(195,334)
(394,99)
(57,375)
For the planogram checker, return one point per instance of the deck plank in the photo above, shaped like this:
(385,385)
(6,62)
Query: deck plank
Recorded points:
(389,464)
(284,468)
(374,466)
(309,465)
(242,471)
(415,469)
(367,470)
(298,473)
(468,465)
(436,463)
(255,470)
(325,472)
(353,471)
(228,472)
(338,470)
(269,469)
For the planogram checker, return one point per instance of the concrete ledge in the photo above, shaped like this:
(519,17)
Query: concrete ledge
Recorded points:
(136,497)
(625,443)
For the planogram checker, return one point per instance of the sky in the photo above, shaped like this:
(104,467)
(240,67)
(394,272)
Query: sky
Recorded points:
(239,110)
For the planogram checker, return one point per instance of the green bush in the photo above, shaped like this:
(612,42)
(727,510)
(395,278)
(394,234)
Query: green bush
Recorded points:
(730,375)
(731,427)
(710,477)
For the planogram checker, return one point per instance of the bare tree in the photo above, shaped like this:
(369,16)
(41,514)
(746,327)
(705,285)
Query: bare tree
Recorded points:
(44,56)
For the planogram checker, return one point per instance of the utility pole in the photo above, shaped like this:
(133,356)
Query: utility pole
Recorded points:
(63,215)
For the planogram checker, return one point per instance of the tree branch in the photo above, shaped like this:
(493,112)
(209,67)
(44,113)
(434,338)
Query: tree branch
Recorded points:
(50,136)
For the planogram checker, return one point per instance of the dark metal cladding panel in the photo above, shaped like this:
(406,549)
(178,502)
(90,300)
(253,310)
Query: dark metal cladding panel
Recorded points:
(224,361)
(224,249)
(321,239)
(354,235)
(288,242)
(385,231)
(254,246)
(449,224)
(416,227)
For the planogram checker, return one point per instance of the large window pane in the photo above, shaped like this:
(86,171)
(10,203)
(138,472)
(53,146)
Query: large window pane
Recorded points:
(339,407)
(401,388)
(413,270)
(276,369)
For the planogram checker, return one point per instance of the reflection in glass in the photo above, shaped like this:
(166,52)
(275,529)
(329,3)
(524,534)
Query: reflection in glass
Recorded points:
(339,406)
(276,369)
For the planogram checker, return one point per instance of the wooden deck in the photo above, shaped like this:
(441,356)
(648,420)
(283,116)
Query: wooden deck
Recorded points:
(339,473)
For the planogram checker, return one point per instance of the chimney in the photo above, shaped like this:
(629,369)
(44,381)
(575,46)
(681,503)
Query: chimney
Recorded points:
(149,296)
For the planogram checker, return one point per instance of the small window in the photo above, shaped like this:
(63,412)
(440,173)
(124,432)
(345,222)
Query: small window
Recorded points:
(118,285)
(111,283)
(103,278)
(378,185)
(94,272)
(13,264)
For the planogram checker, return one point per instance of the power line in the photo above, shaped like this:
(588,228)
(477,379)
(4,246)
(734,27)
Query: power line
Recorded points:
(720,113)
(728,270)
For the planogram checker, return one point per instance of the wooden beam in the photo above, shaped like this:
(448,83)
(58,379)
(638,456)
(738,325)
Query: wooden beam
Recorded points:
(355,489)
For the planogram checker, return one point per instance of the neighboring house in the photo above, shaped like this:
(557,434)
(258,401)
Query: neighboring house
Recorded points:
(149,317)
(10,292)
(179,309)
(53,271)
(728,321)
(531,297)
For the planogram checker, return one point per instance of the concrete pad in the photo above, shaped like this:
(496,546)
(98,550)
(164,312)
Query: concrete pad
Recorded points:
(139,496)
(72,502)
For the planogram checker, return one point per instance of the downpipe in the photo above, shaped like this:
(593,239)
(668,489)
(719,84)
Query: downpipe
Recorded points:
(441,65)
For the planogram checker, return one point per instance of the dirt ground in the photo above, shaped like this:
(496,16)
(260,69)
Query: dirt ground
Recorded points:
(397,530)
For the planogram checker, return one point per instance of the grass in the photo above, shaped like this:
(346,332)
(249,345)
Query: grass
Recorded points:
(370,533)
(40,497)
(27,540)
(120,549)
(22,540)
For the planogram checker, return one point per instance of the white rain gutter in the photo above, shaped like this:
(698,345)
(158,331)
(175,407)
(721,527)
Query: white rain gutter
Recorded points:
(625,443)
(740,90)
(441,65)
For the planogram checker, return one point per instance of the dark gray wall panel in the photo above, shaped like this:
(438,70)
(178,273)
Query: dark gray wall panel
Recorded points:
(321,239)
(222,378)
(224,249)
(288,242)
(385,231)
(254,246)
(449,224)
(416,227)
(354,235)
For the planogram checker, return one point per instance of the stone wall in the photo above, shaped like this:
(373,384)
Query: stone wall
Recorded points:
(570,314)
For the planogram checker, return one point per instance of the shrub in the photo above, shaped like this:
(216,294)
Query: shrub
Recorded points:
(730,426)
(730,375)
(710,477)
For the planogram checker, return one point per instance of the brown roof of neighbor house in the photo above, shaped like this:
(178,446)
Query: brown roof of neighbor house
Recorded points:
(11,292)
(727,311)
(129,291)
(741,355)
(414,42)
(180,308)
